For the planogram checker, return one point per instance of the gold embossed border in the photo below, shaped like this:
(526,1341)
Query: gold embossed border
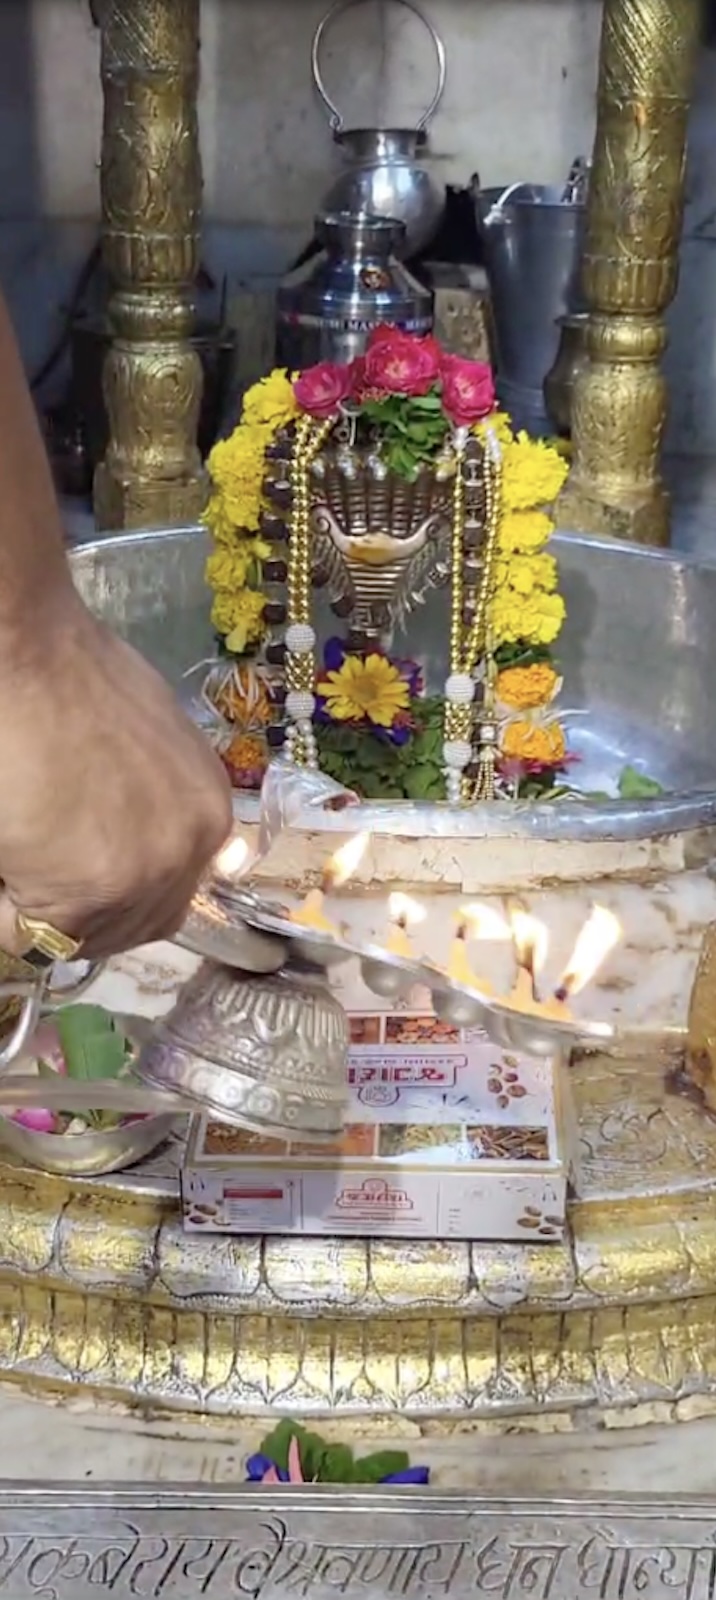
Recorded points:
(101,1289)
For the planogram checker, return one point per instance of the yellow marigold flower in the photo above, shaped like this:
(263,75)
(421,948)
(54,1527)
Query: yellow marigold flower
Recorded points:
(524,532)
(217,520)
(369,688)
(229,565)
(533,474)
(526,573)
(536,620)
(239,616)
(498,423)
(525,687)
(534,741)
(271,402)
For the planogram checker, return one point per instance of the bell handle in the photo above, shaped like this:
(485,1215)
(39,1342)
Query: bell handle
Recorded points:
(336,122)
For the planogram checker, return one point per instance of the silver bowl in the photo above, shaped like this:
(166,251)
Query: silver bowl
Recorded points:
(219,932)
(86,1155)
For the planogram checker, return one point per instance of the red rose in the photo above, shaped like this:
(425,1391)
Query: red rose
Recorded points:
(401,363)
(320,389)
(383,334)
(358,381)
(468,390)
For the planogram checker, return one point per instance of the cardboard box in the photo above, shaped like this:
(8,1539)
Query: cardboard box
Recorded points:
(447,1137)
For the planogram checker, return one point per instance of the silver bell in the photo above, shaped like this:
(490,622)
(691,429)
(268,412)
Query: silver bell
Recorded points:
(268,1053)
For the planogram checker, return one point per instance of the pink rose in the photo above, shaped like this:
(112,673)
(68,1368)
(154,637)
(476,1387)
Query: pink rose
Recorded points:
(320,389)
(36,1120)
(468,390)
(401,363)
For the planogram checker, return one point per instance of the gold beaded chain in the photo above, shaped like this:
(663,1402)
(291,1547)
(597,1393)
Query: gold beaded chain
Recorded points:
(300,666)
(466,646)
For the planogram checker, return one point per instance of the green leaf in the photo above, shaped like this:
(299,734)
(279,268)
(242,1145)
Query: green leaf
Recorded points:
(371,1469)
(90,1043)
(633,785)
(275,1445)
(521,654)
(424,783)
(311,1446)
(429,402)
(337,1465)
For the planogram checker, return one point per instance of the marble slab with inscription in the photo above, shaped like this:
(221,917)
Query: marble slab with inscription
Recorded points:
(267,1545)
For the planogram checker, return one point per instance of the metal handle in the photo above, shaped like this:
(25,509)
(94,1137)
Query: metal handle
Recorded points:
(38,997)
(336,120)
(65,994)
(496,211)
(30,991)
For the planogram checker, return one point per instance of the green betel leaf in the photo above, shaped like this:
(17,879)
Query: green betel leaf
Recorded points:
(635,785)
(372,1469)
(337,1465)
(90,1043)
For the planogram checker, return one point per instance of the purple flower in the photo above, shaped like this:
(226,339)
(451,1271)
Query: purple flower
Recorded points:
(334,654)
(414,1475)
(412,672)
(257,1466)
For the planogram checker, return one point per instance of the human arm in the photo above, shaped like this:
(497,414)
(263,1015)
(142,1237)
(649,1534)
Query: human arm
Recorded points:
(111,803)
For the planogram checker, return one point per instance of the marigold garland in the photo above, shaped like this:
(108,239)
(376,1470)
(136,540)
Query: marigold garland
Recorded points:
(233,515)
(526,610)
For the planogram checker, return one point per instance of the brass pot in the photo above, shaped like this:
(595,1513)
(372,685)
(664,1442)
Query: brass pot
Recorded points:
(569,361)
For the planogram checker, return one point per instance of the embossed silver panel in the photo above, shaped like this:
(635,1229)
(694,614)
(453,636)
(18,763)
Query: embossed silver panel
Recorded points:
(181,1544)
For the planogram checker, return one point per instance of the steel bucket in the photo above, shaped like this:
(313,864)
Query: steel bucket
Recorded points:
(533,243)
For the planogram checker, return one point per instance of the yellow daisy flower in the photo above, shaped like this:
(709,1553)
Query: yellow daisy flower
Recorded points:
(369,687)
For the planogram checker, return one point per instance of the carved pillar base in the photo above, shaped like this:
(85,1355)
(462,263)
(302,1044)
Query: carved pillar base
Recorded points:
(630,269)
(152,474)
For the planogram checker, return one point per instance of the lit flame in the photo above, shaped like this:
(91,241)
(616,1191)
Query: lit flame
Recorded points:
(344,862)
(405,911)
(601,932)
(484,922)
(530,938)
(233,859)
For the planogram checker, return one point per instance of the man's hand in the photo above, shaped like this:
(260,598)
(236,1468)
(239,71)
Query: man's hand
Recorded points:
(112,804)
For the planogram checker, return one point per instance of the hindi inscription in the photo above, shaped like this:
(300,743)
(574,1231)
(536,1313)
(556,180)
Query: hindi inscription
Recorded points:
(323,1544)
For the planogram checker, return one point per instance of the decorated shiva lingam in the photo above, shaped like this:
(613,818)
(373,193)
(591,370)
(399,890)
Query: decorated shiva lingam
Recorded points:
(380,482)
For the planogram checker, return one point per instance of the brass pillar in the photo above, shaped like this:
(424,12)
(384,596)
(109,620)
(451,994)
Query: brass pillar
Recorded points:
(630,269)
(151,199)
